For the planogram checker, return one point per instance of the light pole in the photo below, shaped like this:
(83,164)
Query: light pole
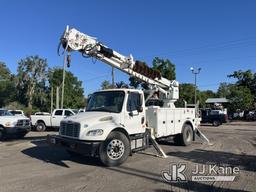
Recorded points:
(195,72)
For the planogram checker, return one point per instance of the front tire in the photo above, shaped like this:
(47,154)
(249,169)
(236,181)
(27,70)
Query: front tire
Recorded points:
(115,149)
(40,127)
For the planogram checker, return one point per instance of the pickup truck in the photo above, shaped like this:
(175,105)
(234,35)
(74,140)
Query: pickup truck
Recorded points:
(215,117)
(11,125)
(41,122)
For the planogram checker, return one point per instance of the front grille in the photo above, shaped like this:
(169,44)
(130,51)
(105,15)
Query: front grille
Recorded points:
(23,123)
(70,129)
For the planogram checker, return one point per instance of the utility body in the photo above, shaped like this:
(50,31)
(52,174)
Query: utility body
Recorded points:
(117,122)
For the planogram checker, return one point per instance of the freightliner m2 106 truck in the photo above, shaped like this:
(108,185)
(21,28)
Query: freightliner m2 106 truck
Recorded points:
(117,121)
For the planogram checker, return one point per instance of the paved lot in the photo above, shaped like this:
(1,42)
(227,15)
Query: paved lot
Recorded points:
(31,165)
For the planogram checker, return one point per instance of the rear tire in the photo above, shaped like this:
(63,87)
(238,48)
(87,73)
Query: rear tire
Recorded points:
(216,123)
(186,137)
(40,127)
(115,149)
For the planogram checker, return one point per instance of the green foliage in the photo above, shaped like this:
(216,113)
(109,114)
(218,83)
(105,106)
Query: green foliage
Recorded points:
(73,90)
(165,67)
(246,79)
(121,84)
(240,98)
(224,90)
(105,85)
(7,85)
(203,96)
(186,91)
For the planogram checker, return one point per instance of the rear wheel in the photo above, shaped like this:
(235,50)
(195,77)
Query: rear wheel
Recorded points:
(40,127)
(216,123)
(115,149)
(186,137)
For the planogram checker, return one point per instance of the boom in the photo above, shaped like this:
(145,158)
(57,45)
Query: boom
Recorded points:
(74,40)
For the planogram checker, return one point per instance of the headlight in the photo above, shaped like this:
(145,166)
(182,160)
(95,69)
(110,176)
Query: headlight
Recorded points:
(85,125)
(95,132)
(9,124)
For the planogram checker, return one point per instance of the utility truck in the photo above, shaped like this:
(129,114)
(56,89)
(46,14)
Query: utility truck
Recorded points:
(117,122)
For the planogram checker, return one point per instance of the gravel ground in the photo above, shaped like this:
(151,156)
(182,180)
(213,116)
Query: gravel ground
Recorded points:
(30,164)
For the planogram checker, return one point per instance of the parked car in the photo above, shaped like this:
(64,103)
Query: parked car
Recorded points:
(17,112)
(215,117)
(18,126)
(251,116)
(43,121)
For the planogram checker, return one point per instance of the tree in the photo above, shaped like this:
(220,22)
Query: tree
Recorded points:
(186,93)
(73,97)
(246,79)
(121,84)
(165,67)
(240,98)
(7,85)
(31,72)
(204,95)
(105,85)
(224,90)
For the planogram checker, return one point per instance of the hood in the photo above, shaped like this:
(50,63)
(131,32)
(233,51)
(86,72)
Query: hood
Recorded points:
(89,116)
(13,118)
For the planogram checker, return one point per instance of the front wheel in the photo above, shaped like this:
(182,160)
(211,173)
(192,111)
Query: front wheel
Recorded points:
(115,149)
(40,127)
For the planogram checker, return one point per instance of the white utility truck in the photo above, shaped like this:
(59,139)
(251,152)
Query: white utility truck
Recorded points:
(41,121)
(117,122)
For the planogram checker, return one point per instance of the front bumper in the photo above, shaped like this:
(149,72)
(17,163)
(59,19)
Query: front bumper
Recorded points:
(87,148)
(15,130)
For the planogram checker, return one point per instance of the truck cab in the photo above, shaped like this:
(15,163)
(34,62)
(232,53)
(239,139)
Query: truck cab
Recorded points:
(108,110)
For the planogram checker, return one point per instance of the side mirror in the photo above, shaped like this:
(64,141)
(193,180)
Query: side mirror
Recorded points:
(140,109)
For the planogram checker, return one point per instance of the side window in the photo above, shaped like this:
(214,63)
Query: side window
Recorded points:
(68,113)
(134,101)
(58,112)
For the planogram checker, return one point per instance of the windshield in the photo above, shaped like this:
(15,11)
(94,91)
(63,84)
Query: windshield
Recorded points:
(109,101)
(5,113)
